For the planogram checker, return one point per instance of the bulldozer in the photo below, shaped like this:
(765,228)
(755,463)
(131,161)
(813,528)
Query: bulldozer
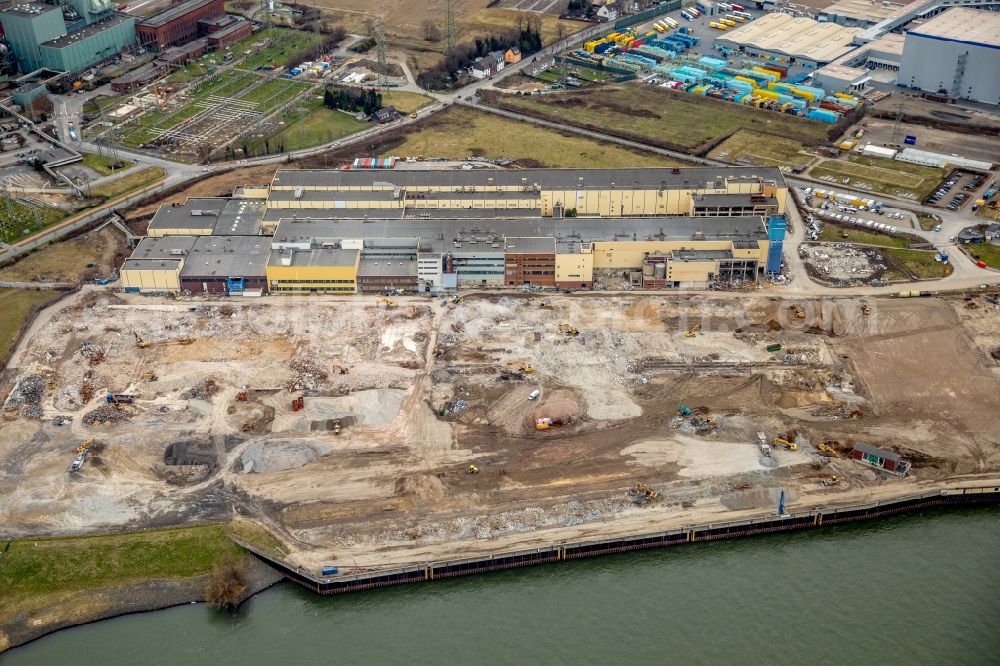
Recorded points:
(832,481)
(521,366)
(472,470)
(644,493)
(693,331)
(389,303)
(150,376)
(865,309)
(827,449)
(568,330)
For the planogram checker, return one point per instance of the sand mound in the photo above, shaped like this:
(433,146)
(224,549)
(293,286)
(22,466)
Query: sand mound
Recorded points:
(559,404)
(423,486)
(789,399)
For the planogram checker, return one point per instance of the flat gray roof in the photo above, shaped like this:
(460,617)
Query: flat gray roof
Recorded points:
(29,9)
(732,200)
(71,39)
(700,255)
(326,256)
(387,267)
(526,245)
(151,264)
(227,256)
(171,13)
(548,178)
(275,214)
(163,247)
(230,217)
(438,235)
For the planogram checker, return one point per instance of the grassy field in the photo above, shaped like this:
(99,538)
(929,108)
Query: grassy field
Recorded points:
(19,220)
(66,261)
(654,115)
(748,147)
(271,94)
(919,263)
(283,42)
(990,254)
(405,102)
(102,164)
(132,181)
(927,222)
(460,132)
(884,176)
(834,234)
(34,569)
(318,126)
(16,305)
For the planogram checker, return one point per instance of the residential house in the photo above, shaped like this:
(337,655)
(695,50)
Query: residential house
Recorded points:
(512,55)
(386,115)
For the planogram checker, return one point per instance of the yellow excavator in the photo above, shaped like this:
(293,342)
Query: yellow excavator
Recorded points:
(139,342)
(781,441)
(473,469)
(693,331)
(150,376)
(866,309)
(646,492)
(389,303)
(568,330)
(341,370)
(521,365)
(798,311)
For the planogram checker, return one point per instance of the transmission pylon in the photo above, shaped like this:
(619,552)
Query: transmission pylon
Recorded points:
(449,27)
(383,69)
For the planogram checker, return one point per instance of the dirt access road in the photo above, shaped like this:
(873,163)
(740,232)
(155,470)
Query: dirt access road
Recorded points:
(425,390)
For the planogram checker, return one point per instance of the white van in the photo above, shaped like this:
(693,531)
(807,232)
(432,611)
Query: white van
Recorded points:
(534,394)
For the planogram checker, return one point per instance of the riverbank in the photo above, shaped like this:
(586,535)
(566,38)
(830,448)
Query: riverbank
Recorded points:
(51,584)
(909,590)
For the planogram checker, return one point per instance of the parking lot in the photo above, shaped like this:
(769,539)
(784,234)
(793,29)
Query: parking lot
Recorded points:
(873,216)
(958,190)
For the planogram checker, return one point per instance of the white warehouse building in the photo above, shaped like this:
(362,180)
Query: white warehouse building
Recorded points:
(957,52)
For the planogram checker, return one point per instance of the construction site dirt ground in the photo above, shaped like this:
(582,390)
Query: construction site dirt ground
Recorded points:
(422,391)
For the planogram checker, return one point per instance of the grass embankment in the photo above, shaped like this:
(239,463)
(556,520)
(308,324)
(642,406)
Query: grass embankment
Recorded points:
(747,147)
(917,264)
(460,132)
(68,260)
(19,220)
(129,183)
(989,254)
(16,305)
(882,176)
(37,568)
(105,165)
(835,234)
(661,117)
(405,102)
(927,222)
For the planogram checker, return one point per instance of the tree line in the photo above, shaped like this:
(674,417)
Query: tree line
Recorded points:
(352,99)
(528,38)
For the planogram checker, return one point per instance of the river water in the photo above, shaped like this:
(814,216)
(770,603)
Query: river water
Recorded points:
(919,589)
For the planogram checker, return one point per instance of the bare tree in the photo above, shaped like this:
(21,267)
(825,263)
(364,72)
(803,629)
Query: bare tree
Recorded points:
(432,33)
(227,585)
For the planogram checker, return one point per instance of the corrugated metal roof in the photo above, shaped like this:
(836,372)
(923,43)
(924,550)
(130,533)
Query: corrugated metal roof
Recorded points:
(875,451)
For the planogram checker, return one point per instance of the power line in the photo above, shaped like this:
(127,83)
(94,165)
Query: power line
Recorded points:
(449,27)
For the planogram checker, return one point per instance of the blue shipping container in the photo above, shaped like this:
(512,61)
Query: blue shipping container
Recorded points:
(329,571)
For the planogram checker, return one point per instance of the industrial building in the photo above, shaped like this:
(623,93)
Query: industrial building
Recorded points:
(878,60)
(67,38)
(435,230)
(956,53)
(796,40)
(178,24)
(859,13)
(205,216)
(226,265)
(554,192)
